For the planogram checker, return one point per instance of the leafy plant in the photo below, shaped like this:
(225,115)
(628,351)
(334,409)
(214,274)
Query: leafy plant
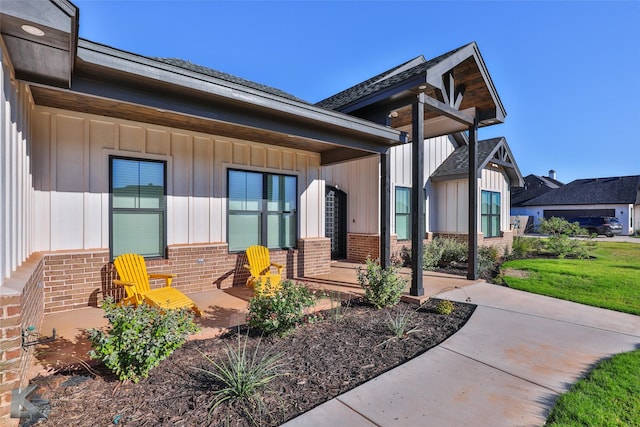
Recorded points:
(445,307)
(139,338)
(487,259)
(559,243)
(243,374)
(281,312)
(442,252)
(383,287)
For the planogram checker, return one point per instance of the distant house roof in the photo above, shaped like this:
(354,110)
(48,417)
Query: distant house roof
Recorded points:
(188,65)
(592,191)
(534,186)
(494,150)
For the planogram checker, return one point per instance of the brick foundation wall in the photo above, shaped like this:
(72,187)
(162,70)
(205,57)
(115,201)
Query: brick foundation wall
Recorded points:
(21,307)
(361,246)
(314,256)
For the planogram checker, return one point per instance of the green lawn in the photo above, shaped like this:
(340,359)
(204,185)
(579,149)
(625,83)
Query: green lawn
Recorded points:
(608,396)
(610,280)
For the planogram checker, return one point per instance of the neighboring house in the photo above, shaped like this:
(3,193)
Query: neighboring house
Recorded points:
(106,152)
(534,186)
(614,196)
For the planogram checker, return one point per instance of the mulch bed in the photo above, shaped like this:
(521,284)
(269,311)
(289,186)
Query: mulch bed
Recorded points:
(322,360)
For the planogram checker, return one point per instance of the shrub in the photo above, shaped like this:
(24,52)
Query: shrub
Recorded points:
(559,243)
(443,252)
(453,251)
(431,255)
(522,247)
(243,374)
(444,307)
(281,312)
(487,259)
(383,287)
(139,338)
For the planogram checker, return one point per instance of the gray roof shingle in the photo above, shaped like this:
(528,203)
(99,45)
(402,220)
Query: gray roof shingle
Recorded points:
(187,65)
(383,80)
(592,191)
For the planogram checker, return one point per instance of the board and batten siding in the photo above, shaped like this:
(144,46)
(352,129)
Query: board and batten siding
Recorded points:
(360,179)
(16,186)
(71,174)
(450,210)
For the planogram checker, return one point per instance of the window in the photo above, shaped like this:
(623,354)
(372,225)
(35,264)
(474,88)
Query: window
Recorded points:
(403,213)
(490,214)
(138,208)
(262,210)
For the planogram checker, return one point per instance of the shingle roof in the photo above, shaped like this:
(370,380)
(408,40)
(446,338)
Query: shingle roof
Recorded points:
(534,186)
(383,80)
(187,65)
(592,191)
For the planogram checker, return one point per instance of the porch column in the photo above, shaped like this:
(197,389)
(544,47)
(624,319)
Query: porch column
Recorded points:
(417,195)
(472,268)
(385,209)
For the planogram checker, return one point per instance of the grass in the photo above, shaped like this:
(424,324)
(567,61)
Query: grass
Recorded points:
(609,280)
(608,396)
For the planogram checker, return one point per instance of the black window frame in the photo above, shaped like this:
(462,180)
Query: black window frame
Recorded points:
(163,209)
(403,214)
(264,211)
(491,215)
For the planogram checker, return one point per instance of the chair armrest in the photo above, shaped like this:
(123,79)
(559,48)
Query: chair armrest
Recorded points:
(123,283)
(247,267)
(167,278)
(278,266)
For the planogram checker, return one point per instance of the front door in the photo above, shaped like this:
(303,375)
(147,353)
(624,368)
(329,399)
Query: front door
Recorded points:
(336,221)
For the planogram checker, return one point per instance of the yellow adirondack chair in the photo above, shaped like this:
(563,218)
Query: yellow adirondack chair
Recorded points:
(132,271)
(261,279)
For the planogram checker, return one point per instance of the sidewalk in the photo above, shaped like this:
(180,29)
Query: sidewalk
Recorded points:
(505,367)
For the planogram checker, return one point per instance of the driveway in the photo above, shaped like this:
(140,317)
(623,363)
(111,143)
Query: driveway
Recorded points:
(505,367)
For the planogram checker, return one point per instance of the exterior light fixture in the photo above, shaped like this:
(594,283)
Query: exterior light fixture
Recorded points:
(34,31)
(422,87)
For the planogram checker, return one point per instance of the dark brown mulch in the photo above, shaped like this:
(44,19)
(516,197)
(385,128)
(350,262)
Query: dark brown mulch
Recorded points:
(322,360)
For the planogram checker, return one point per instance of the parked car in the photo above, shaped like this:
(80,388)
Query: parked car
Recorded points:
(607,225)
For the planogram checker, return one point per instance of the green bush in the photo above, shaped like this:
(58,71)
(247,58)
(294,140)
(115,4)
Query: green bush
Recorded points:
(559,243)
(487,259)
(445,307)
(139,338)
(522,247)
(383,287)
(453,251)
(281,312)
(443,252)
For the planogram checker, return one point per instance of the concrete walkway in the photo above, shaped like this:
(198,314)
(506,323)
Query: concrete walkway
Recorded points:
(505,367)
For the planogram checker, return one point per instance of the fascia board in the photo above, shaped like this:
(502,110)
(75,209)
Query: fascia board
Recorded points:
(104,56)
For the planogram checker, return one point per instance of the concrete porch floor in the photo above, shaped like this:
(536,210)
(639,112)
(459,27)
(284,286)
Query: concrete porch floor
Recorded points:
(221,308)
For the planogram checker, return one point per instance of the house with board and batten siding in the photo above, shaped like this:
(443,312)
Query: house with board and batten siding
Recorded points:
(107,152)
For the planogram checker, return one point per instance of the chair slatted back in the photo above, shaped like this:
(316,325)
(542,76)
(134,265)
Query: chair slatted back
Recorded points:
(259,263)
(132,268)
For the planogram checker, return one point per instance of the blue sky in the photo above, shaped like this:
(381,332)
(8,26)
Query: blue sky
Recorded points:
(567,72)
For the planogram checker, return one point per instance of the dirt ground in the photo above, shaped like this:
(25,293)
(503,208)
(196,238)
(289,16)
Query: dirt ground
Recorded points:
(322,359)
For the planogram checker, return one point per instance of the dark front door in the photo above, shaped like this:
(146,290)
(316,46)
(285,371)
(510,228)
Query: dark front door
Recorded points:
(336,221)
